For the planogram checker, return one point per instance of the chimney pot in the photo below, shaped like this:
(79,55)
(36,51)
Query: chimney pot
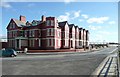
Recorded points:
(22,18)
(43,18)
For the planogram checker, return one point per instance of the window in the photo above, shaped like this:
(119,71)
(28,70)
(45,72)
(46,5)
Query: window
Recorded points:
(21,33)
(58,33)
(52,23)
(39,42)
(50,42)
(67,35)
(8,34)
(53,43)
(31,33)
(13,33)
(80,43)
(13,25)
(39,33)
(48,23)
(10,25)
(31,42)
(25,33)
(50,32)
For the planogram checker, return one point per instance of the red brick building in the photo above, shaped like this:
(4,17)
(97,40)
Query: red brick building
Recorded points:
(46,33)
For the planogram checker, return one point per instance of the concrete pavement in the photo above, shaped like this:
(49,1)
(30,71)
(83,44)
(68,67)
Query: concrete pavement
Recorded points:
(110,66)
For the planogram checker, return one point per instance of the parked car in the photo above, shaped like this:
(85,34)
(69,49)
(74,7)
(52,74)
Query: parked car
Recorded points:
(8,53)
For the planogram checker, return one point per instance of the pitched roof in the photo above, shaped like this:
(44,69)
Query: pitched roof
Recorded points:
(19,23)
(80,28)
(71,25)
(76,27)
(62,24)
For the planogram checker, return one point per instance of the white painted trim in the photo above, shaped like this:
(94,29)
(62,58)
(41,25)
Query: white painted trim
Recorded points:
(21,38)
(34,38)
(31,44)
(39,42)
(52,44)
(19,43)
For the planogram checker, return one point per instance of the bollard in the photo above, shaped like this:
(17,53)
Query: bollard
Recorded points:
(25,50)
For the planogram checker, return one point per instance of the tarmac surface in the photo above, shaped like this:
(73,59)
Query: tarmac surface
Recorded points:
(75,63)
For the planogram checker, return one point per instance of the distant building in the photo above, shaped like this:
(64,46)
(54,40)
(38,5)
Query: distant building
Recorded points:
(3,43)
(46,33)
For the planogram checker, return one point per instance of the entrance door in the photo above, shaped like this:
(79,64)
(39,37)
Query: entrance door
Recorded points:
(17,43)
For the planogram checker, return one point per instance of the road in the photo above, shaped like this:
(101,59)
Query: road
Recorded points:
(78,63)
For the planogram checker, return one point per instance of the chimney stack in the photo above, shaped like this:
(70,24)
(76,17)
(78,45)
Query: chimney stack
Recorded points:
(43,18)
(22,18)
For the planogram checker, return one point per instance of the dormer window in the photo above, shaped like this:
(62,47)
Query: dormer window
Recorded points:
(34,22)
(27,23)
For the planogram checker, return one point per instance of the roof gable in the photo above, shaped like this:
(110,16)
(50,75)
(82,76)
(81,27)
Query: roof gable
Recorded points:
(62,24)
(11,21)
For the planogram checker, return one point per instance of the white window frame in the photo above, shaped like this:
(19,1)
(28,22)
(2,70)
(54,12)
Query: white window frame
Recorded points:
(47,32)
(33,33)
(52,22)
(47,42)
(29,33)
(13,25)
(48,23)
(39,42)
(52,42)
(10,25)
(52,32)
(31,41)
(25,33)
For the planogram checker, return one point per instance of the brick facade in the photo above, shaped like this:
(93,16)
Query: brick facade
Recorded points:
(46,33)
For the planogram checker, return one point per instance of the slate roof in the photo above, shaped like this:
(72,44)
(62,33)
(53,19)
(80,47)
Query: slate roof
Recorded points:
(19,23)
(80,28)
(76,27)
(71,25)
(62,24)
